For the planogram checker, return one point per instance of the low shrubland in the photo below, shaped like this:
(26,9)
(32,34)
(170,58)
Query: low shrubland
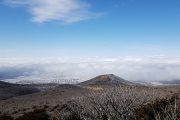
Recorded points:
(121,104)
(117,103)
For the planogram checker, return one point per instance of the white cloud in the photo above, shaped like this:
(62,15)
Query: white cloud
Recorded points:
(66,11)
(149,69)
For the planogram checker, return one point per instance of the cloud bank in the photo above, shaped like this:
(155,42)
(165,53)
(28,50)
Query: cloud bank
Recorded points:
(66,11)
(147,69)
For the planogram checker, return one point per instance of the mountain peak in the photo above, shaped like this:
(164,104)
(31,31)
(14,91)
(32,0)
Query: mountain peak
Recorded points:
(108,80)
(106,77)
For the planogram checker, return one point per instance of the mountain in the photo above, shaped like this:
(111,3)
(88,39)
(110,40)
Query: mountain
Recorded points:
(144,83)
(8,90)
(172,82)
(107,80)
(158,83)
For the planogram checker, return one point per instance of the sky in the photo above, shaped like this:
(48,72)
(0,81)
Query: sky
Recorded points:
(87,28)
(47,40)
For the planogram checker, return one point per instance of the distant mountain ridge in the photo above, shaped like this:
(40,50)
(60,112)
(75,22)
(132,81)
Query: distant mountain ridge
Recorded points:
(158,83)
(172,82)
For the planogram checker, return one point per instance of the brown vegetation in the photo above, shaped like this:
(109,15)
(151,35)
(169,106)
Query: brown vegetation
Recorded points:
(76,102)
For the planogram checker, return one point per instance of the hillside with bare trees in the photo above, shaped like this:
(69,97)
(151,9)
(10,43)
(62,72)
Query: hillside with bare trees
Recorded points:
(105,97)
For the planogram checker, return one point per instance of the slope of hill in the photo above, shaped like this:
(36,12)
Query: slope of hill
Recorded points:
(107,80)
(8,90)
(51,97)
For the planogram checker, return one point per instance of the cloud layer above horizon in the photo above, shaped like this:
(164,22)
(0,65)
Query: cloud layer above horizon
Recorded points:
(147,69)
(65,11)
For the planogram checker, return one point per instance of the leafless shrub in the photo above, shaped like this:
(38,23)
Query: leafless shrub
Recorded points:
(6,117)
(162,109)
(170,111)
(117,103)
(39,114)
(72,110)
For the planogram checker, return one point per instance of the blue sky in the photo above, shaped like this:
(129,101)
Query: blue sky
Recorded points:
(47,28)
